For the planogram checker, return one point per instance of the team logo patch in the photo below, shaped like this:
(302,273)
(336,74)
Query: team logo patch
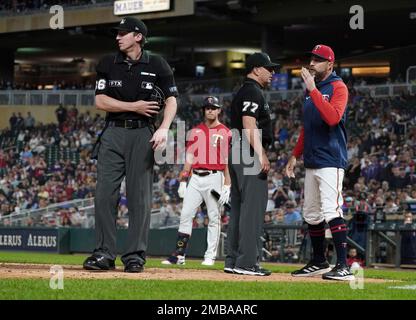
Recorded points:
(147,85)
(215,138)
(115,83)
(173,89)
(326,97)
(147,74)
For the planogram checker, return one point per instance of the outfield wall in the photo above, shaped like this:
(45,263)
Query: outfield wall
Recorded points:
(75,240)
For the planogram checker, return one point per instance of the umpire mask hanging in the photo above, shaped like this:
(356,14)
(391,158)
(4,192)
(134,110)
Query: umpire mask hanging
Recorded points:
(158,96)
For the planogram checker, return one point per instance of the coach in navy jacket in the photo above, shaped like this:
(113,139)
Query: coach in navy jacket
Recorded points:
(323,143)
(324,125)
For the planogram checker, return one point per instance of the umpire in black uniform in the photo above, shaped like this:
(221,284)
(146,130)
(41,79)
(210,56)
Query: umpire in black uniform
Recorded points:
(252,134)
(125,87)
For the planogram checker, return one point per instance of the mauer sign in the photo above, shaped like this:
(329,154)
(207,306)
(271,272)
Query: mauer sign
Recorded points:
(29,239)
(124,7)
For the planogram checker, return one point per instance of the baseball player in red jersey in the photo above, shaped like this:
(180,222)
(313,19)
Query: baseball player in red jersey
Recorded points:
(323,143)
(206,165)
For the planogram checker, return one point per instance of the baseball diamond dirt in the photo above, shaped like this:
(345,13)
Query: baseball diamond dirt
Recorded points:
(42,271)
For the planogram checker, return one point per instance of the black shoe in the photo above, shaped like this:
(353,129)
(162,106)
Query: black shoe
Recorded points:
(312,269)
(98,263)
(339,272)
(134,267)
(228,270)
(253,271)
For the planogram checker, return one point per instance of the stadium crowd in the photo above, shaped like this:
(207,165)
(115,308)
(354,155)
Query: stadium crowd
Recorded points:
(380,177)
(31,176)
(56,85)
(22,6)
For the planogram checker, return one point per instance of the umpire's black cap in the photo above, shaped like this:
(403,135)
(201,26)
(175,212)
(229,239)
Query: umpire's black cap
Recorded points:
(211,101)
(132,25)
(260,59)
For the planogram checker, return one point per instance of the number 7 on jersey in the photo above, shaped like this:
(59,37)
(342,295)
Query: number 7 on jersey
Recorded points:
(248,104)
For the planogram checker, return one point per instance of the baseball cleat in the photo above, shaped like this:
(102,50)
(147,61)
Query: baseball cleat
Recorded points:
(98,263)
(228,270)
(253,271)
(134,267)
(312,269)
(340,272)
(175,260)
(208,262)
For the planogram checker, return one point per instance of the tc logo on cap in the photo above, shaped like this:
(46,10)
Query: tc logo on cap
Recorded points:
(210,100)
(122,21)
(324,52)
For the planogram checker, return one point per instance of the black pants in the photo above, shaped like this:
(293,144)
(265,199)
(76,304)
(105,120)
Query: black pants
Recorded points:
(248,205)
(124,153)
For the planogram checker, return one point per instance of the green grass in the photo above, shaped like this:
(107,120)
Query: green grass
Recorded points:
(195,290)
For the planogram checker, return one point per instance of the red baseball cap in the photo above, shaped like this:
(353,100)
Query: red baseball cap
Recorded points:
(324,52)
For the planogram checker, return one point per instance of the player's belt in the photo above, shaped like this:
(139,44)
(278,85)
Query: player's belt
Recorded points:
(128,124)
(204,172)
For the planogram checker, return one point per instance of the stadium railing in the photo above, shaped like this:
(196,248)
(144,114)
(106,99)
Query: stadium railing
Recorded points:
(21,218)
(30,11)
(86,97)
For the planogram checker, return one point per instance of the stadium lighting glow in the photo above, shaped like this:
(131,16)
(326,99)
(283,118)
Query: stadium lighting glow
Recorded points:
(30,50)
(371,71)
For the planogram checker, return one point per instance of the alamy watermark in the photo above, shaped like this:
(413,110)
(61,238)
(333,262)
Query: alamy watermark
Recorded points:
(57,20)
(207,143)
(358,272)
(56,281)
(357,20)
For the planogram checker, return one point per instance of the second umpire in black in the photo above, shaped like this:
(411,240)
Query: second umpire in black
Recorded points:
(252,134)
(124,89)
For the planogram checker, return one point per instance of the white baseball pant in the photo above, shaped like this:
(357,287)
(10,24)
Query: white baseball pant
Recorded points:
(323,195)
(199,190)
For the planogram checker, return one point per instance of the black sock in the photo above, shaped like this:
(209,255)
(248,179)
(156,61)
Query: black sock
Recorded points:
(181,244)
(339,235)
(317,234)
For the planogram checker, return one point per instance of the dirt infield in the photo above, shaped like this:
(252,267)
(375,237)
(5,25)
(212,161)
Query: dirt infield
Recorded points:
(42,271)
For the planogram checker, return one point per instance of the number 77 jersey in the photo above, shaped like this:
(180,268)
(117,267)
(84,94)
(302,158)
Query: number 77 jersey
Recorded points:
(250,101)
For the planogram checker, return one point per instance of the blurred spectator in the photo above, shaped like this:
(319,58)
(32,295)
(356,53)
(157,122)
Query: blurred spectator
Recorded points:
(122,218)
(65,219)
(390,206)
(30,121)
(78,218)
(20,122)
(61,114)
(408,242)
(278,216)
(22,6)
(348,206)
(353,258)
(359,222)
(12,121)
(292,215)
(280,197)
(271,191)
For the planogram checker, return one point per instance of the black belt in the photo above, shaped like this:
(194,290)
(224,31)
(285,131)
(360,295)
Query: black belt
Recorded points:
(129,124)
(203,173)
